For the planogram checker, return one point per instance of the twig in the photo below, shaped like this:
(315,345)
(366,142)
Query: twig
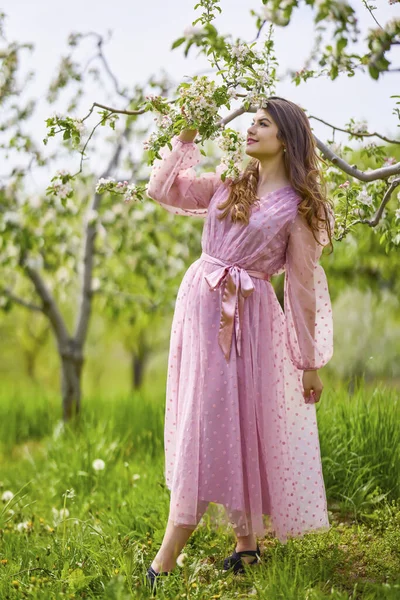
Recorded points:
(382,137)
(375,220)
(371,13)
(21,301)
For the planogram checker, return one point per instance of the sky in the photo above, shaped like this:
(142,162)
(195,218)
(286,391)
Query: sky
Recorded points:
(143,32)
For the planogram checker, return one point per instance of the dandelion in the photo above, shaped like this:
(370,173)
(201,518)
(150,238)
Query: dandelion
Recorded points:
(7,496)
(181,559)
(70,493)
(135,476)
(98,464)
(24,526)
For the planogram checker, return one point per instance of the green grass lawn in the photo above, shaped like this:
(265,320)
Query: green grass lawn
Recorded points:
(71,531)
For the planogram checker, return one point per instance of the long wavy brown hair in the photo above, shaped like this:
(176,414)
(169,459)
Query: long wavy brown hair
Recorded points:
(302,168)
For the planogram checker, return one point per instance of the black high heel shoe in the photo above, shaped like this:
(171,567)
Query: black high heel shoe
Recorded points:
(152,577)
(235,560)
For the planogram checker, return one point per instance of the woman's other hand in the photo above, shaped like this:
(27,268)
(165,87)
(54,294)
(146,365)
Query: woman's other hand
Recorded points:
(312,387)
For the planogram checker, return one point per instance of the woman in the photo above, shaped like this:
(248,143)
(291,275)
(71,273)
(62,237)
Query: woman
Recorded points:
(240,420)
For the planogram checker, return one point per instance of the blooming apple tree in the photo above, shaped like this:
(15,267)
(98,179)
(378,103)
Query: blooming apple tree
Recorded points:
(36,239)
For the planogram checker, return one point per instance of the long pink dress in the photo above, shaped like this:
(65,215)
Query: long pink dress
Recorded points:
(237,429)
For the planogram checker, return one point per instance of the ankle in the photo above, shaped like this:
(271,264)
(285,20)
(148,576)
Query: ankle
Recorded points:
(247,542)
(162,563)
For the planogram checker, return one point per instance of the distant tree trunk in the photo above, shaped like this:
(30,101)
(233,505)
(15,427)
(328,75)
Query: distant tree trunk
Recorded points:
(139,361)
(71,375)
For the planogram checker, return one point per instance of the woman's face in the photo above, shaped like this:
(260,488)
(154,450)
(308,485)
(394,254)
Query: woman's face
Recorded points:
(263,130)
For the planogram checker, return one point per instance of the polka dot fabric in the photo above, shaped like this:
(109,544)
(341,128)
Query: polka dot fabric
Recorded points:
(238,431)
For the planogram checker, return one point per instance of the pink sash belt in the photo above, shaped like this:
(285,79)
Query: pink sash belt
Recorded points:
(237,286)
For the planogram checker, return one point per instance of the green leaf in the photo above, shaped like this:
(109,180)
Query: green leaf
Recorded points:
(373,71)
(178,43)
(67,134)
(342,43)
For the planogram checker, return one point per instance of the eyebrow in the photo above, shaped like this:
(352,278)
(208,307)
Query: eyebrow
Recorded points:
(262,119)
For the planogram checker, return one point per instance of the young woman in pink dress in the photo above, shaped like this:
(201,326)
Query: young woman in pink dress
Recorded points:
(242,382)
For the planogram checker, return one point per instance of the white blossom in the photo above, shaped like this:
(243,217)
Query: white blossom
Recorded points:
(397,214)
(12,217)
(35,262)
(365,198)
(7,496)
(96,284)
(360,127)
(190,32)
(24,526)
(98,464)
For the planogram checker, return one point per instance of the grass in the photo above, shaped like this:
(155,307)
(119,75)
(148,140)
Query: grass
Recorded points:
(112,521)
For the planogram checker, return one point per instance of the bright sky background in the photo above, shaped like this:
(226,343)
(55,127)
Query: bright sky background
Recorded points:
(143,33)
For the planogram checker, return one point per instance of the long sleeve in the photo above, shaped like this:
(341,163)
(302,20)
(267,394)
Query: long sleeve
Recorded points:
(307,304)
(175,185)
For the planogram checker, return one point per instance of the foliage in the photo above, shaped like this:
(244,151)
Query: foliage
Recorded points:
(88,508)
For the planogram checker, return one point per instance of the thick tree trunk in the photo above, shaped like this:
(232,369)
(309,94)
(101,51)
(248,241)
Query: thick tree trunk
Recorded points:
(71,372)
(139,361)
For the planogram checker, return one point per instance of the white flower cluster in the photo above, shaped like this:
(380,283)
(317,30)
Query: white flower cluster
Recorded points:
(147,144)
(240,51)
(164,121)
(360,127)
(12,217)
(121,187)
(199,99)
(397,214)
(79,125)
(190,32)
(276,16)
(232,93)
(60,189)
(365,198)
(256,98)
(232,144)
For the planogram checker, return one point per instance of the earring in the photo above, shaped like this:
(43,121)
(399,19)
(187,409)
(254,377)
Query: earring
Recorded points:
(284,149)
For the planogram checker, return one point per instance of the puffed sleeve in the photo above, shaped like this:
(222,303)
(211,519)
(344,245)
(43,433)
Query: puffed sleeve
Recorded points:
(307,304)
(175,185)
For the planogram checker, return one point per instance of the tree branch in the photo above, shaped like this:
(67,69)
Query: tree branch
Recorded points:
(88,253)
(382,173)
(375,220)
(361,135)
(49,308)
(21,301)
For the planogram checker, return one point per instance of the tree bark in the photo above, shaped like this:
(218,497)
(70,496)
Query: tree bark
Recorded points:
(71,375)
(139,360)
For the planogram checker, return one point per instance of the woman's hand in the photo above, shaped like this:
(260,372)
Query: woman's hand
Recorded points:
(187,135)
(312,387)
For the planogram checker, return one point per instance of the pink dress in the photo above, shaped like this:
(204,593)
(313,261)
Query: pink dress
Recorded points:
(237,429)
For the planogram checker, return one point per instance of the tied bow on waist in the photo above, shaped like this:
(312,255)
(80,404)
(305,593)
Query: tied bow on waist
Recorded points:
(237,286)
